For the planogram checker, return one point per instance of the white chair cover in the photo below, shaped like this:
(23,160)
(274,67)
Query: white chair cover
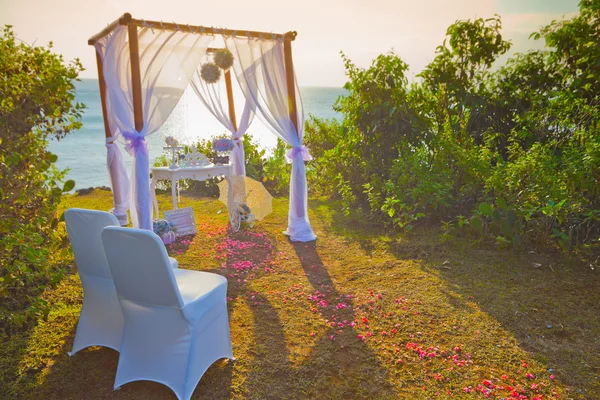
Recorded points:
(101,319)
(176,322)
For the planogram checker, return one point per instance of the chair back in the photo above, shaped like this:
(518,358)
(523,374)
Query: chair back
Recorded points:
(140,267)
(84,228)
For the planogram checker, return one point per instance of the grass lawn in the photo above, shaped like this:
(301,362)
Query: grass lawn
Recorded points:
(356,314)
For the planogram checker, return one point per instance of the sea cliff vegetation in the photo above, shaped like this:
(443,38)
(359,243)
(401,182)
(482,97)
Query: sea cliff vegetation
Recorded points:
(505,159)
(36,105)
(510,153)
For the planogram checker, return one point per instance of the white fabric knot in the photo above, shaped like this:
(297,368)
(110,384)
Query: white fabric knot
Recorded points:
(110,141)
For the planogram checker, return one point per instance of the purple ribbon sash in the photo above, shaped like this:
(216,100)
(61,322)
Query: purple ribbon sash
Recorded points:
(136,142)
(302,150)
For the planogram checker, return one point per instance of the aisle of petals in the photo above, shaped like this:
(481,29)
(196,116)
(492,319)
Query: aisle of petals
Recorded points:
(393,325)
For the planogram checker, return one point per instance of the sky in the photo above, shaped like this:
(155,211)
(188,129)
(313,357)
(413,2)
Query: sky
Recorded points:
(362,29)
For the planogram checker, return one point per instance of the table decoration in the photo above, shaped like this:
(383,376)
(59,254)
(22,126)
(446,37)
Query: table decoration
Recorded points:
(222,146)
(223,59)
(165,229)
(172,145)
(210,73)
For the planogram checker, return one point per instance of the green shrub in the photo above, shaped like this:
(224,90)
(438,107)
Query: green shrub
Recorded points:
(322,138)
(255,157)
(378,123)
(276,171)
(36,104)
(512,154)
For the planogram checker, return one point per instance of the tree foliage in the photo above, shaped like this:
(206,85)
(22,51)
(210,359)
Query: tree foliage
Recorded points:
(36,105)
(511,152)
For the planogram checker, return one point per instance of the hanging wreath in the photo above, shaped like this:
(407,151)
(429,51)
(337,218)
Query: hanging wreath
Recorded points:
(210,73)
(223,58)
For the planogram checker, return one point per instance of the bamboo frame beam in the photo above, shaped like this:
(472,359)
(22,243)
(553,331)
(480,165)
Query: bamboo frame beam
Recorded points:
(122,20)
(133,24)
(291,83)
(126,19)
(211,30)
(136,82)
(102,84)
(230,99)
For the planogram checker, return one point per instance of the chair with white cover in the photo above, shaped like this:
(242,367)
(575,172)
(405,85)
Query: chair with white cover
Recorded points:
(176,323)
(101,319)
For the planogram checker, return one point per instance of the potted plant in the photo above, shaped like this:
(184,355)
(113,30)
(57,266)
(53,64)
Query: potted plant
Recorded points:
(165,229)
(222,146)
(172,145)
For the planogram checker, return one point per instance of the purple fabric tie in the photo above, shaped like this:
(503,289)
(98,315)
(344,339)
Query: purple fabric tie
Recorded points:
(136,141)
(294,151)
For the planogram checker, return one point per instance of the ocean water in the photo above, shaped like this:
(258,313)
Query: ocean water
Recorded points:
(84,154)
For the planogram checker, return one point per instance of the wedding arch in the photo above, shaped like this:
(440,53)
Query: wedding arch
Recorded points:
(144,68)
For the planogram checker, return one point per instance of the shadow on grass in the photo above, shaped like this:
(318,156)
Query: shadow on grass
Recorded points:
(549,302)
(94,369)
(346,356)
(553,310)
(89,374)
(353,229)
(344,368)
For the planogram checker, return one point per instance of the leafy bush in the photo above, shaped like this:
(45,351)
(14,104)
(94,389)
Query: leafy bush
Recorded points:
(378,125)
(322,138)
(36,104)
(276,171)
(512,154)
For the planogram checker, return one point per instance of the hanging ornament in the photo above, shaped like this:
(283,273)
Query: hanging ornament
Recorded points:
(223,58)
(210,73)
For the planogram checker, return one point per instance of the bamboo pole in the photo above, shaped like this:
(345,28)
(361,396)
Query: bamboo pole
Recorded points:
(291,84)
(102,84)
(293,110)
(136,82)
(126,19)
(230,99)
(214,49)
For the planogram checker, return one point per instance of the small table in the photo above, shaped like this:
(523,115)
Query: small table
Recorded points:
(196,173)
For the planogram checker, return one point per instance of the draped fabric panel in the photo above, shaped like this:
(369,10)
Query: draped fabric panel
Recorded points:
(212,97)
(167,62)
(260,71)
(117,173)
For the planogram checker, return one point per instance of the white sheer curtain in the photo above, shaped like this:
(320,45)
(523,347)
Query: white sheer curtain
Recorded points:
(167,62)
(212,97)
(260,70)
(117,173)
